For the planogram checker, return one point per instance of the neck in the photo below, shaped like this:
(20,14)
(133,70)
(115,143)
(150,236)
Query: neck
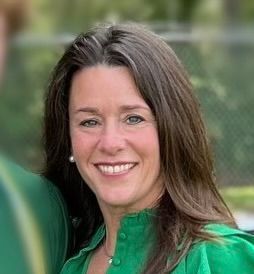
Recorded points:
(112,217)
(112,223)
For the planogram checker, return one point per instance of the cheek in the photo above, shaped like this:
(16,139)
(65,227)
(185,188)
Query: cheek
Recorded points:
(81,145)
(147,142)
(82,149)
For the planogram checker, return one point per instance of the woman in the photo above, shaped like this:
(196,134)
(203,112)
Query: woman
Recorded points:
(124,130)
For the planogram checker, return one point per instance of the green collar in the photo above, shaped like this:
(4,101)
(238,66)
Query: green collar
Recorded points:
(141,223)
(132,224)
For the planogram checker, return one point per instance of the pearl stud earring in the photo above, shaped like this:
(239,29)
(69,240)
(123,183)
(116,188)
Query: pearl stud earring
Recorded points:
(71,159)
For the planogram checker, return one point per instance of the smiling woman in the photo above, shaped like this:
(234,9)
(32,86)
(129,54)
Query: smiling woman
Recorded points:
(125,137)
(114,139)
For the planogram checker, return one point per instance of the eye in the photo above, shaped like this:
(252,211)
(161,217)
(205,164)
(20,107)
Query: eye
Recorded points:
(89,123)
(134,119)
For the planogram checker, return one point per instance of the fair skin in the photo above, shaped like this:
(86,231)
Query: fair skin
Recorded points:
(115,146)
(3,43)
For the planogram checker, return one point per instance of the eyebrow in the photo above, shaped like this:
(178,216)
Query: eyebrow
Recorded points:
(133,107)
(94,110)
(88,109)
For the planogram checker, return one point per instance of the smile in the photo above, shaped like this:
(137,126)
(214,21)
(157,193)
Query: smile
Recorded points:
(115,169)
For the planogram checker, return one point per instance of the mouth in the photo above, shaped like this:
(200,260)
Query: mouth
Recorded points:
(115,169)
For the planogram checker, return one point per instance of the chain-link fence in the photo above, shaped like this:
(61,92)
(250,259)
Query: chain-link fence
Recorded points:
(221,66)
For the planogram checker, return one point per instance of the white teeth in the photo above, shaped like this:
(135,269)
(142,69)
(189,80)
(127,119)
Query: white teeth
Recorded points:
(114,169)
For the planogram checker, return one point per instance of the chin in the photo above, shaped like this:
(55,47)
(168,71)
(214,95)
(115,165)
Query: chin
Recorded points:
(118,200)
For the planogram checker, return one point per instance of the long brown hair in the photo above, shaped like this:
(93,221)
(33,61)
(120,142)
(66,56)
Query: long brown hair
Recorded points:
(191,199)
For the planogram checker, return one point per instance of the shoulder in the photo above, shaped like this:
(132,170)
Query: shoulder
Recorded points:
(33,197)
(15,178)
(232,253)
(32,187)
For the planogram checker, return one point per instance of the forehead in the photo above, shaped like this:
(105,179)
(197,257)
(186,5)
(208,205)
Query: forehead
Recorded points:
(108,76)
(104,85)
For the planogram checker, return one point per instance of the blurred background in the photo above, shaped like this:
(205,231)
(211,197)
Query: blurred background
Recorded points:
(213,38)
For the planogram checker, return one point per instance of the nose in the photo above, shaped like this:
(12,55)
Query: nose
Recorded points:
(112,140)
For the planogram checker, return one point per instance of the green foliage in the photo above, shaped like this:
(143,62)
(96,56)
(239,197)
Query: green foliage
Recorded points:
(239,198)
(21,105)
(77,15)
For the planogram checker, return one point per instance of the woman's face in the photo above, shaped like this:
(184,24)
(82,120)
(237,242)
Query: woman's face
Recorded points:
(114,138)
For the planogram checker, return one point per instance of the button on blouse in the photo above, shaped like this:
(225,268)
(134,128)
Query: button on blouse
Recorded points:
(136,237)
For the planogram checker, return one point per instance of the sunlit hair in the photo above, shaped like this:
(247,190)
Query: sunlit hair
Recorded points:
(15,12)
(191,199)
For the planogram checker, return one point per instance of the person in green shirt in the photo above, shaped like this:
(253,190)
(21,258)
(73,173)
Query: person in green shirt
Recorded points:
(124,131)
(34,226)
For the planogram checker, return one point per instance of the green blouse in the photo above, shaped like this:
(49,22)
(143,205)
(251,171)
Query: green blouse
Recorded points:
(135,237)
